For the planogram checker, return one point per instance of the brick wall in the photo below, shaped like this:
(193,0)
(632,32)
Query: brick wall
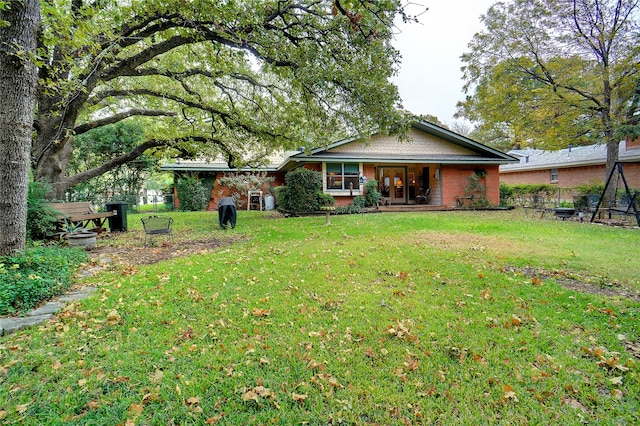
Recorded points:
(454,181)
(572,177)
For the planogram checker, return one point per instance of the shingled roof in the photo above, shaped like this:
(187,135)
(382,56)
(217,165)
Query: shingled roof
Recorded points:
(536,159)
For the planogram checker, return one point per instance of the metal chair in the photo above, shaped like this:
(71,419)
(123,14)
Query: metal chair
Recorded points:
(424,197)
(156,225)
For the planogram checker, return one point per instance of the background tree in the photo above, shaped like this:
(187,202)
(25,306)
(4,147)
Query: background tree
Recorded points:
(211,78)
(19,21)
(100,145)
(556,71)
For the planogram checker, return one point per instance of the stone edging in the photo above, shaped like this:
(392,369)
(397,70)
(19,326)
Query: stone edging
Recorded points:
(43,313)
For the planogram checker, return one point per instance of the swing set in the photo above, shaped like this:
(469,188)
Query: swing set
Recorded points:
(627,204)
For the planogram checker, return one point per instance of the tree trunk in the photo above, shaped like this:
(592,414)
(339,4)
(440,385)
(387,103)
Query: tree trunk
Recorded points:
(18,79)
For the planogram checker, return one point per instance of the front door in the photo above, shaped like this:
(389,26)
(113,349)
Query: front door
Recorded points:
(394,184)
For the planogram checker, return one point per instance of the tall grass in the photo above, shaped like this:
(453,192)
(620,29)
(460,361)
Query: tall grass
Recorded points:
(375,319)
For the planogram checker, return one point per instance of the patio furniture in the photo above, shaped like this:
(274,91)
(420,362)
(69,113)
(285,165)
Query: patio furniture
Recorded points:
(156,225)
(424,197)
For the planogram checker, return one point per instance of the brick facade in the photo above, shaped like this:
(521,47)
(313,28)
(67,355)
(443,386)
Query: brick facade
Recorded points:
(572,177)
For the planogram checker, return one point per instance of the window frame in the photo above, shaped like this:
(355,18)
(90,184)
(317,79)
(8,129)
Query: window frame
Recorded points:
(344,177)
(553,175)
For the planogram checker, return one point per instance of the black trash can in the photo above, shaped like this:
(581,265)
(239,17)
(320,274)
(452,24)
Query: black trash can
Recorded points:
(119,221)
(227,212)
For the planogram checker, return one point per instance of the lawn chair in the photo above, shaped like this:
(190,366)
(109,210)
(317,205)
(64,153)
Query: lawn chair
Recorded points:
(156,225)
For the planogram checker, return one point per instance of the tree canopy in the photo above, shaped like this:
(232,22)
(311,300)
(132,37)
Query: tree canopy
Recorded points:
(549,73)
(207,78)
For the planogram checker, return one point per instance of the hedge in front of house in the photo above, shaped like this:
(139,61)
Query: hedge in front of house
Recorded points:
(302,192)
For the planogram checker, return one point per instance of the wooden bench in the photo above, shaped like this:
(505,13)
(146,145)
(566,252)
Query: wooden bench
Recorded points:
(80,214)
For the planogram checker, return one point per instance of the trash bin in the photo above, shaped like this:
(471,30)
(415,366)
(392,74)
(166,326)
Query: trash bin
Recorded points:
(119,221)
(227,212)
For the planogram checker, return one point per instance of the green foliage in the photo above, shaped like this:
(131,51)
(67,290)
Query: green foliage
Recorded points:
(266,84)
(528,195)
(588,195)
(371,193)
(192,193)
(101,145)
(40,217)
(356,206)
(506,194)
(554,72)
(36,275)
(302,192)
(474,191)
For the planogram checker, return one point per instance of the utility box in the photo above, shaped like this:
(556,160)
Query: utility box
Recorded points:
(119,221)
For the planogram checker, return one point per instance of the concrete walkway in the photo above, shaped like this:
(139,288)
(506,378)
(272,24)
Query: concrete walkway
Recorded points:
(49,309)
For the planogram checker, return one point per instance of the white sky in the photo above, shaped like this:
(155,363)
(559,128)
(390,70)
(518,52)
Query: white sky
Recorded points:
(430,80)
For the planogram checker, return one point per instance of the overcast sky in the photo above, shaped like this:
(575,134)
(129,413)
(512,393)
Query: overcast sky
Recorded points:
(430,80)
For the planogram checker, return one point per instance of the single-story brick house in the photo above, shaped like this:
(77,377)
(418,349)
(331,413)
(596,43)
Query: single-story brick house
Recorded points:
(571,167)
(432,160)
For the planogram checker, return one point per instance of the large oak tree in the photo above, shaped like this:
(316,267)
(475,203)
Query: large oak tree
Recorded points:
(19,22)
(555,72)
(233,77)
(212,77)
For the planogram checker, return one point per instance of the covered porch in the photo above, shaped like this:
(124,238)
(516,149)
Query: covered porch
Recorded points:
(407,184)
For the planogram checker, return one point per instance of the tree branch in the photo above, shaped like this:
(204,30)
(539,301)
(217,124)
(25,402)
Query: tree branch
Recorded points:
(85,127)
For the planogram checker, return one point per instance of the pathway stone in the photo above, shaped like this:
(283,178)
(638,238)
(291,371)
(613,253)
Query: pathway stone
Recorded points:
(46,311)
(11,325)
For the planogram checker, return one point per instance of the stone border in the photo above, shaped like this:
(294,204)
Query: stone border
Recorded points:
(41,314)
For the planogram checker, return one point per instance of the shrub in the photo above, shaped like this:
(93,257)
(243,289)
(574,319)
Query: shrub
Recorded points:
(35,275)
(475,191)
(506,194)
(192,193)
(302,192)
(40,217)
(372,195)
(528,195)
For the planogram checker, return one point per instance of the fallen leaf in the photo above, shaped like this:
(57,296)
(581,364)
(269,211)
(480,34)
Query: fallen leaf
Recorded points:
(411,364)
(194,400)
(22,408)
(616,380)
(299,397)
(157,376)
(135,410)
(509,393)
(250,395)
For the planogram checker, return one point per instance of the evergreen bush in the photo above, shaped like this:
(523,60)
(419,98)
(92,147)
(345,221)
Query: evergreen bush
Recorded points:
(302,192)
(192,194)
(372,195)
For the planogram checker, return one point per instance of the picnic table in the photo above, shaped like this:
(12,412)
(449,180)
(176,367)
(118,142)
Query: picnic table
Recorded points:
(80,213)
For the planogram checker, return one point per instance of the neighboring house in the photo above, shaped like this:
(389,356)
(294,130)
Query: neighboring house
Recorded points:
(571,167)
(432,161)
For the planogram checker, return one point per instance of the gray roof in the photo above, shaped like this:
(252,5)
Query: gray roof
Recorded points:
(287,160)
(535,159)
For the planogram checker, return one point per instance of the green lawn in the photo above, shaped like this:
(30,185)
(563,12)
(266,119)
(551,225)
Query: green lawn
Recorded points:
(409,318)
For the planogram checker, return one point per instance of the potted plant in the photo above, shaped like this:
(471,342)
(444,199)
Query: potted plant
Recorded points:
(79,236)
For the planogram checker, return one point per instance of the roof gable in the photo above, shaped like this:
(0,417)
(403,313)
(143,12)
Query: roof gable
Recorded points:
(426,142)
(417,143)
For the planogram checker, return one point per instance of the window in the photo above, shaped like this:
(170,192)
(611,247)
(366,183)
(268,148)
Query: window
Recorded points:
(554,175)
(341,175)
